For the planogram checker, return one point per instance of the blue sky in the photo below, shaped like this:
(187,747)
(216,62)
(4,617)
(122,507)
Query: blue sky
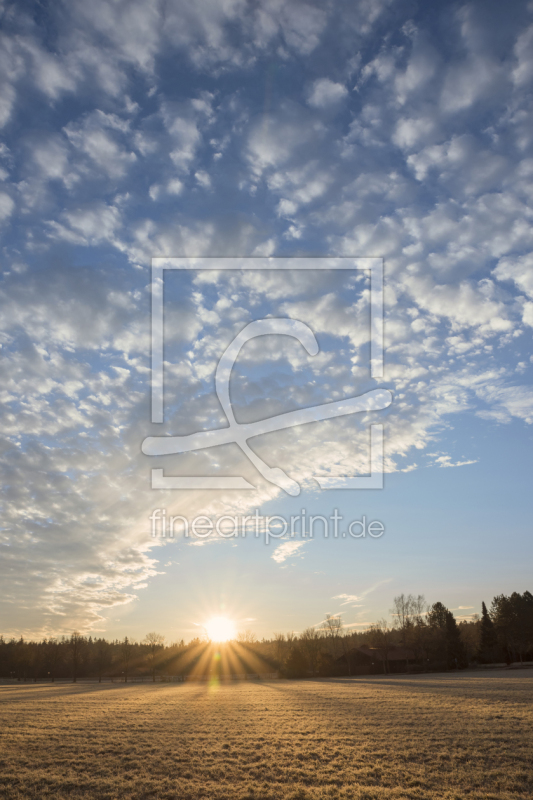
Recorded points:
(401,130)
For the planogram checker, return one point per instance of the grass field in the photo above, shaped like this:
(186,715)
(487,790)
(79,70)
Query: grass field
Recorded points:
(434,736)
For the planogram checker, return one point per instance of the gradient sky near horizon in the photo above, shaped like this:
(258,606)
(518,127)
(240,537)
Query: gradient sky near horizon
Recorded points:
(374,128)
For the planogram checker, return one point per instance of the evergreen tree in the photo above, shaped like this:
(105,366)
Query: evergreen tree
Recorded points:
(488,644)
(455,649)
(513,621)
(450,646)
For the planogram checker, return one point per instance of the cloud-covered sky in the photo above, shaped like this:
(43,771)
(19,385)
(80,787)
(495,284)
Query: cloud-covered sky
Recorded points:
(140,129)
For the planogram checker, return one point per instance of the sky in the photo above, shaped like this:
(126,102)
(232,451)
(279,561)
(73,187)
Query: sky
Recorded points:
(267,129)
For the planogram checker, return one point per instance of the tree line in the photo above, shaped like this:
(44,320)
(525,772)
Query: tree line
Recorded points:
(419,637)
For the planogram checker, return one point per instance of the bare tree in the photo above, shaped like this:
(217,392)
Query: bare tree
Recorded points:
(154,643)
(246,637)
(332,627)
(409,614)
(419,632)
(401,611)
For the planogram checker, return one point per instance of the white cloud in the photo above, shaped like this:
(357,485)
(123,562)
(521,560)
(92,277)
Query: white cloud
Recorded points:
(349,599)
(184,123)
(89,225)
(506,402)
(11,68)
(474,77)
(51,74)
(286,208)
(527,316)
(519,270)
(523,71)
(446,461)
(52,158)
(174,186)
(299,24)
(277,137)
(99,136)
(462,162)
(286,550)
(421,68)
(464,304)
(326,92)
(418,175)
(7,100)
(6,206)
(298,186)
(132,28)
(186,137)
(203,179)
(410,132)
(466,83)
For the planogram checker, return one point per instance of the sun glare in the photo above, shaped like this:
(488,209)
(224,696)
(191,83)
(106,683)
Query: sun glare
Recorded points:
(220,629)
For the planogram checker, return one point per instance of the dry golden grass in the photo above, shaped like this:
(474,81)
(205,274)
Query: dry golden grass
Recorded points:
(435,736)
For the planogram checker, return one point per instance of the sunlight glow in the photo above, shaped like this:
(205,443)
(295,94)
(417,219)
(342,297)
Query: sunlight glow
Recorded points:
(220,629)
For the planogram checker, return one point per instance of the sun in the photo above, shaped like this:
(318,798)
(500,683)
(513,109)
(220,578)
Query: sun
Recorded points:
(220,629)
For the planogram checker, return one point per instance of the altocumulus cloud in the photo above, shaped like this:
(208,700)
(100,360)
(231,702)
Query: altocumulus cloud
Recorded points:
(230,129)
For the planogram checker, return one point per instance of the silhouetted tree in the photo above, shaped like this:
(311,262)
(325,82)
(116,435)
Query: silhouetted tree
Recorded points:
(469,630)
(246,637)
(513,620)
(102,660)
(280,648)
(34,659)
(408,618)
(20,659)
(75,646)
(296,664)
(456,654)
(310,643)
(450,645)
(488,640)
(154,643)
(380,637)
(448,638)
(332,628)
(126,653)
